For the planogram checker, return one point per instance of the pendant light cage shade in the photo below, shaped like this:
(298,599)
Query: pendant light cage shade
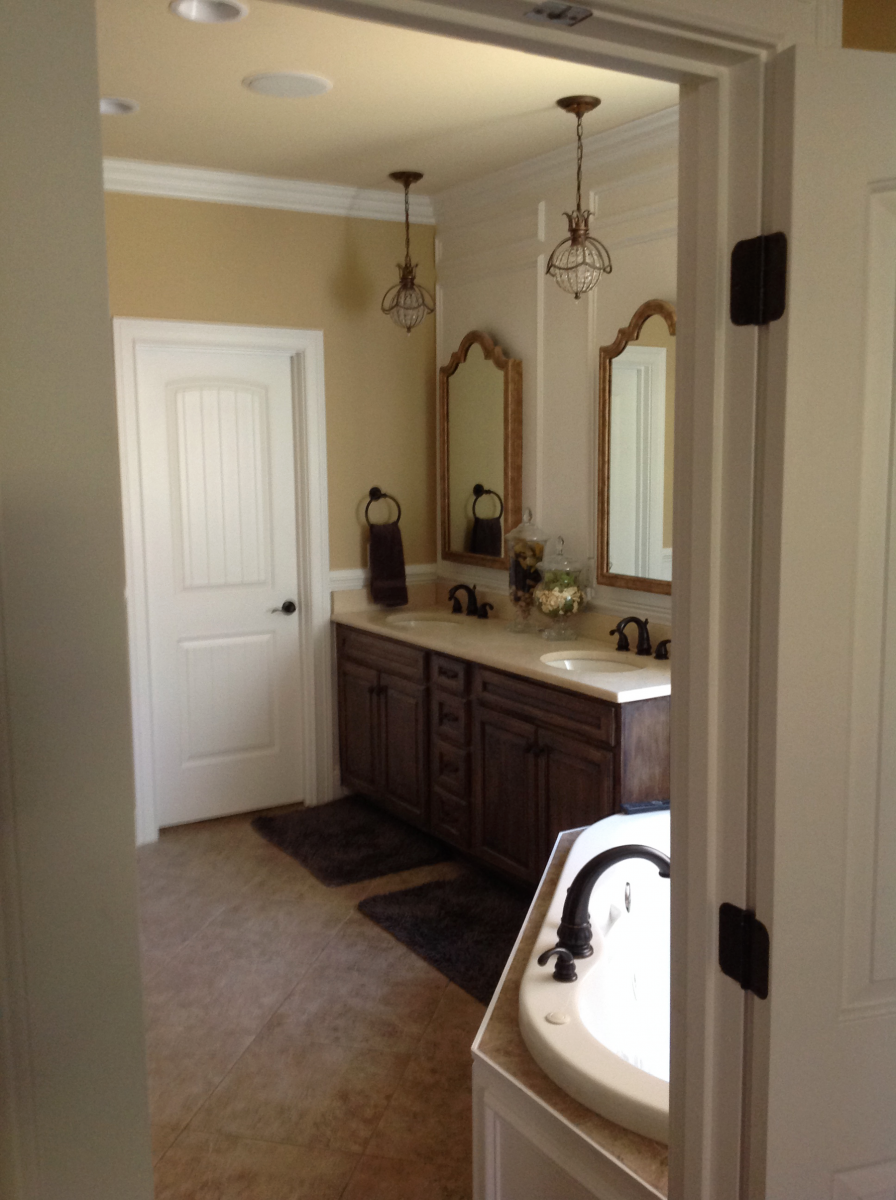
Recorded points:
(578,262)
(406,302)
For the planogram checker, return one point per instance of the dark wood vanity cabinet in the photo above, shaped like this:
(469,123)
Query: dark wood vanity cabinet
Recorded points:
(493,763)
(383,723)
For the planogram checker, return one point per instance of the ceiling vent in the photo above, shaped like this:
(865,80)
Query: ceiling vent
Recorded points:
(554,12)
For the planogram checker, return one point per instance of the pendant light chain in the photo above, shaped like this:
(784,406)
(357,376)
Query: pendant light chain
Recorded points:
(407,224)
(579,164)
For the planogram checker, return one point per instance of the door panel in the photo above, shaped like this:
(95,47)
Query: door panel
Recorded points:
(576,785)
(505,789)
(404,775)
(358,722)
(824,1042)
(218,482)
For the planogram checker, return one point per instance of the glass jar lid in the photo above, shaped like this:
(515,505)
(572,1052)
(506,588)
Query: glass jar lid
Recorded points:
(560,562)
(527,530)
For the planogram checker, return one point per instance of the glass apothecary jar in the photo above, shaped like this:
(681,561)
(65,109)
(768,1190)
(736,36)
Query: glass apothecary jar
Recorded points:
(525,548)
(560,596)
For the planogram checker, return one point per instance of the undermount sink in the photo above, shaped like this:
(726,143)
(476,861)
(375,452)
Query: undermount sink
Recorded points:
(590,662)
(420,621)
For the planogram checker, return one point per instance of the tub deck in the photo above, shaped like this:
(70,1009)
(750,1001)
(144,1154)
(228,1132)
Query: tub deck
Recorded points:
(500,1043)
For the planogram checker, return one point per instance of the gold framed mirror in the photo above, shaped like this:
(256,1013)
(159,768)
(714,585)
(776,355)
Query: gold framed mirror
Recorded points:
(480,451)
(635,420)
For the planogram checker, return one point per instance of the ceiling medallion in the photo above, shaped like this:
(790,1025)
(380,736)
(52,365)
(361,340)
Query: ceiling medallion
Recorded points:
(578,262)
(406,302)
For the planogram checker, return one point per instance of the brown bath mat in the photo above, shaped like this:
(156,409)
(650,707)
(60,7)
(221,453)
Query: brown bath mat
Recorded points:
(465,927)
(349,840)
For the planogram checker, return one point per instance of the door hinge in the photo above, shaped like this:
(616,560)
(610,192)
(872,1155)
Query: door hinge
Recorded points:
(744,949)
(759,279)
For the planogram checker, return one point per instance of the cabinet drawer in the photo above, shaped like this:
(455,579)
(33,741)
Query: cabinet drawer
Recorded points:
(449,718)
(450,674)
(450,768)
(383,653)
(549,706)
(450,816)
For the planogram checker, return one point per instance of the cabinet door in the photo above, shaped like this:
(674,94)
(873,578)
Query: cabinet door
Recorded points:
(505,793)
(576,785)
(404,782)
(358,726)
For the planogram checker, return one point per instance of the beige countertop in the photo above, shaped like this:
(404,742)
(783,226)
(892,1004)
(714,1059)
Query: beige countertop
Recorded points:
(500,1043)
(489,643)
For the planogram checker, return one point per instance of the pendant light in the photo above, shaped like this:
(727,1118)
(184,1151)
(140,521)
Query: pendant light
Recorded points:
(406,302)
(578,262)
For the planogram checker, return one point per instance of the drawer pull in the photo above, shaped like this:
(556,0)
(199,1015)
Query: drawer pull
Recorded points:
(446,674)
(449,718)
(450,768)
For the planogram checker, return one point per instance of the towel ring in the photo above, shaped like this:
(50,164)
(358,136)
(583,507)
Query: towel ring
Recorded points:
(479,491)
(377,494)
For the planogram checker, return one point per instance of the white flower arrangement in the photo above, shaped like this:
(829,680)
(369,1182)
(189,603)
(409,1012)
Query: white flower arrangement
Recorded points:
(559,602)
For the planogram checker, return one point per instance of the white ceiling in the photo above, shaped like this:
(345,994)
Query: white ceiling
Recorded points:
(400,99)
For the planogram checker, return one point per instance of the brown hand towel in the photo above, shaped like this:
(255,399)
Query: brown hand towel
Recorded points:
(388,585)
(486,537)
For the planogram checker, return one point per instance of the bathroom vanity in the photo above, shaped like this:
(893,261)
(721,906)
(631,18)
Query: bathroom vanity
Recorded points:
(464,731)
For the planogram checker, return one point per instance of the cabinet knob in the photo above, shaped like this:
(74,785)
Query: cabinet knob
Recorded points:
(446,674)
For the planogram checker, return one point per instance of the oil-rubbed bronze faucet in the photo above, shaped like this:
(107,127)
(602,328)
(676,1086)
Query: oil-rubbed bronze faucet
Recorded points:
(472,606)
(644,646)
(574,931)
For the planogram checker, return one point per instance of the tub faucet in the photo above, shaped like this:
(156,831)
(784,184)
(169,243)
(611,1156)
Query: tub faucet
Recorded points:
(472,606)
(574,930)
(644,646)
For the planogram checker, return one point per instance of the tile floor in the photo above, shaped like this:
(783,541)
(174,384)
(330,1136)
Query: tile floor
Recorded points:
(296,1051)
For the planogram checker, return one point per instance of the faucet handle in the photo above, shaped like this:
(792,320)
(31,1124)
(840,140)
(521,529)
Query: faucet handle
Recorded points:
(662,650)
(623,643)
(482,611)
(564,967)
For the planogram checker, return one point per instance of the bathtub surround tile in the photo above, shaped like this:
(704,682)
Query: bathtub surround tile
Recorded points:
(213,1166)
(287,1089)
(377,1178)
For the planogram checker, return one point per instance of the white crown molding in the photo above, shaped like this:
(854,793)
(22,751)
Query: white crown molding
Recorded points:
(356,578)
(260,191)
(614,146)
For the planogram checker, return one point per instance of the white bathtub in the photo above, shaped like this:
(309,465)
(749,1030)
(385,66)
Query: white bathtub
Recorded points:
(604,1039)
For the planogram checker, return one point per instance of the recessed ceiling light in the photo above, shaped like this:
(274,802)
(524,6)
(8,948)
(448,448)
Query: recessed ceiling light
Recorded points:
(287,84)
(117,106)
(209,12)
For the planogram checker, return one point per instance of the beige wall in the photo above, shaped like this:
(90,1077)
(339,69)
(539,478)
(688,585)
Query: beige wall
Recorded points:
(191,261)
(869,25)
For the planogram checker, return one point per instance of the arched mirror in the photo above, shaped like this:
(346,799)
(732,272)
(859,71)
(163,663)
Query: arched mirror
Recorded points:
(481,448)
(636,406)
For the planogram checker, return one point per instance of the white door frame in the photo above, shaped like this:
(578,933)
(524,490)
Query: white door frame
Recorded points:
(727,189)
(305,350)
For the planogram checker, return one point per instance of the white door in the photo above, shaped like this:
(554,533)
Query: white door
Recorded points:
(216,464)
(823,1045)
